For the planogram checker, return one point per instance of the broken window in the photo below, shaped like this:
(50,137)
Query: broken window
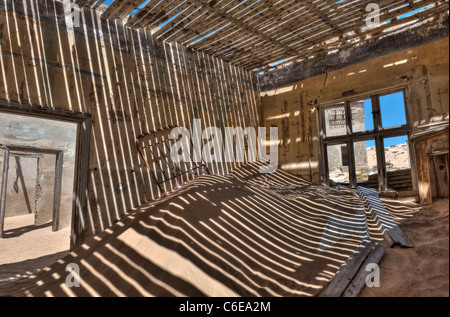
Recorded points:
(338,163)
(398,166)
(362,119)
(335,121)
(366,163)
(396,153)
(364,140)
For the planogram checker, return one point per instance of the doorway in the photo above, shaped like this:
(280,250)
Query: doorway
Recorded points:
(40,174)
(48,160)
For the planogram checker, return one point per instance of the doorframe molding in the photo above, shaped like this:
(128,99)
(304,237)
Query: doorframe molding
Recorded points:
(81,180)
(56,187)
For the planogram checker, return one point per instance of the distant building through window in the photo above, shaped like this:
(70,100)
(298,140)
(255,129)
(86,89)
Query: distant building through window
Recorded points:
(355,135)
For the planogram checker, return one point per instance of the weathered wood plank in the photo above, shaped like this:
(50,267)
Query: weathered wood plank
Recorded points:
(177,16)
(359,281)
(354,19)
(79,225)
(25,155)
(196,22)
(171,12)
(379,142)
(440,167)
(348,270)
(392,233)
(214,21)
(296,42)
(423,173)
(256,33)
(82,3)
(57,190)
(3,188)
(310,26)
(229,22)
(148,11)
(120,9)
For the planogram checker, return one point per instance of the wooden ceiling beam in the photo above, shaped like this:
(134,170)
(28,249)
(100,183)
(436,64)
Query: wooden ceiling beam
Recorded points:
(311,7)
(149,11)
(255,33)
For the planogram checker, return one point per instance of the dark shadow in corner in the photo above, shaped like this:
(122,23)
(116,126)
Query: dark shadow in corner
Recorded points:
(17,232)
(9,270)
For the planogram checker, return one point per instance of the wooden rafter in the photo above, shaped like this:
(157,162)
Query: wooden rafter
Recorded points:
(314,9)
(245,27)
(254,34)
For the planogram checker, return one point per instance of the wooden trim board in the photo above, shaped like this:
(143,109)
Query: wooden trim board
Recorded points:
(351,277)
(348,270)
(359,281)
(3,188)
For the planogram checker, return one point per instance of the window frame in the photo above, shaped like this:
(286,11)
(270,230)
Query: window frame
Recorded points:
(378,133)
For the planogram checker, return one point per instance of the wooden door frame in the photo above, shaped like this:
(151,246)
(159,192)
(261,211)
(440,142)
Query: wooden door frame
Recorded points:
(56,187)
(80,188)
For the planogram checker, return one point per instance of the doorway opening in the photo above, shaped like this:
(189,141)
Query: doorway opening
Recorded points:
(43,156)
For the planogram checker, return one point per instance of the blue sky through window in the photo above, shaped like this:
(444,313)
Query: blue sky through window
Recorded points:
(368,118)
(392,109)
(396,140)
(392,114)
(370,143)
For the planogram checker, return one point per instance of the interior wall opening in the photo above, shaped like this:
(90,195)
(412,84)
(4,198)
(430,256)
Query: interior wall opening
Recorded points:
(38,164)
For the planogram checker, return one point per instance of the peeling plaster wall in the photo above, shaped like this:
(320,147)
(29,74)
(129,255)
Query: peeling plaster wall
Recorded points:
(130,83)
(411,36)
(422,70)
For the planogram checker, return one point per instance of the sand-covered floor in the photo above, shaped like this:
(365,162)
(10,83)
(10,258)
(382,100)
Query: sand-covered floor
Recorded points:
(245,234)
(423,270)
(26,249)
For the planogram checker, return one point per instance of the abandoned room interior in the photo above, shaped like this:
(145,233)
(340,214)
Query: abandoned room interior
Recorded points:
(222,148)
